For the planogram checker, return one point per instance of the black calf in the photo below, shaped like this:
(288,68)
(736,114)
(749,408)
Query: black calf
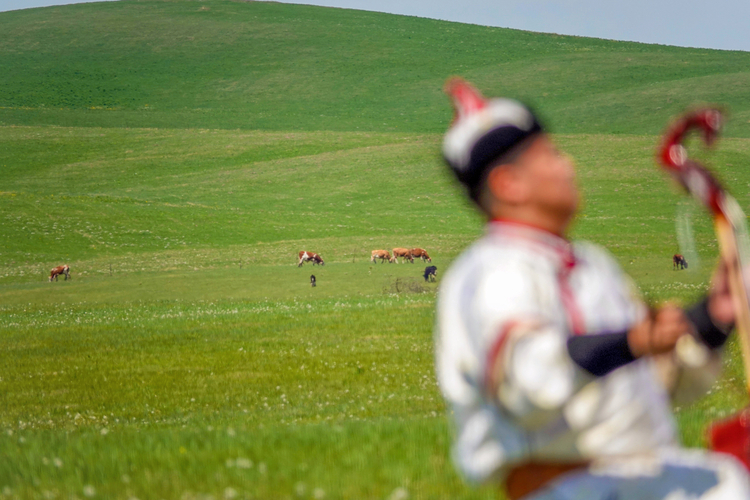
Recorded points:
(430,273)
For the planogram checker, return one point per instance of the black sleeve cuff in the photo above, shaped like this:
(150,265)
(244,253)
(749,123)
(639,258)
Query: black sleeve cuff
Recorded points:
(711,335)
(602,353)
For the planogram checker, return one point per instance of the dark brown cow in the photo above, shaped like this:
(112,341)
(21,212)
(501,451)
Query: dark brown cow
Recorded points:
(64,269)
(403,253)
(678,262)
(304,256)
(420,253)
(383,255)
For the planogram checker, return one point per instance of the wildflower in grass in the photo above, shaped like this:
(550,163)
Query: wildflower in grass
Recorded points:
(399,493)
(243,463)
(89,491)
(319,493)
(230,493)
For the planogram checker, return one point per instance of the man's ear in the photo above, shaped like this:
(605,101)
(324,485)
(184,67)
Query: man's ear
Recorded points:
(507,184)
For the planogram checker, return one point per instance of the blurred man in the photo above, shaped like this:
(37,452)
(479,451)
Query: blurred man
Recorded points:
(558,376)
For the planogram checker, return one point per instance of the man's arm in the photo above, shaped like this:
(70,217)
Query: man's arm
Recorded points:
(657,334)
(542,368)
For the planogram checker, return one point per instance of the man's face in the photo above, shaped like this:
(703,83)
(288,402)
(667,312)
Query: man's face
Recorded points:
(550,177)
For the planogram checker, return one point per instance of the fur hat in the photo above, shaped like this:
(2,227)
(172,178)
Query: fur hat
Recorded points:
(482,131)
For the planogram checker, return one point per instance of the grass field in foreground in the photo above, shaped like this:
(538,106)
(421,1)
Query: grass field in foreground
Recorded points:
(256,396)
(306,398)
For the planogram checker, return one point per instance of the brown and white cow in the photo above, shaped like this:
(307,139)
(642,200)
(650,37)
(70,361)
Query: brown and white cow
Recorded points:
(64,269)
(304,256)
(403,253)
(383,255)
(420,253)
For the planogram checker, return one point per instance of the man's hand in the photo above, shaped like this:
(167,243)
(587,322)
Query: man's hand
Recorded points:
(659,333)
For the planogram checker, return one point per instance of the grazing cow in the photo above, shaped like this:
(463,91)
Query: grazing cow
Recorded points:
(403,253)
(304,256)
(420,253)
(430,273)
(383,255)
(312,280)
(64,269)
(678,262)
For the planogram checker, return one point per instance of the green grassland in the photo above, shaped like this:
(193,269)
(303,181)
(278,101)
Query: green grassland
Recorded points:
(261,65)
(178,155)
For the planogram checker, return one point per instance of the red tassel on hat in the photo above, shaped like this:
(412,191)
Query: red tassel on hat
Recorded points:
(467,100)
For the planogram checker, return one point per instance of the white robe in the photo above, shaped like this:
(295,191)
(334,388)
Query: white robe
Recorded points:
(505,311)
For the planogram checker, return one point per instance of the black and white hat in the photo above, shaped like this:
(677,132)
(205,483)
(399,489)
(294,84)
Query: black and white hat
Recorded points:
(482,131)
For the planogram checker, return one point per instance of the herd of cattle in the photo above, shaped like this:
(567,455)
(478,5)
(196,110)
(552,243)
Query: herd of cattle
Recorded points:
(404,254)
(430,272)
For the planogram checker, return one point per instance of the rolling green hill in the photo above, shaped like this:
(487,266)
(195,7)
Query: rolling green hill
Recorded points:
(260,65)
(178,154)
